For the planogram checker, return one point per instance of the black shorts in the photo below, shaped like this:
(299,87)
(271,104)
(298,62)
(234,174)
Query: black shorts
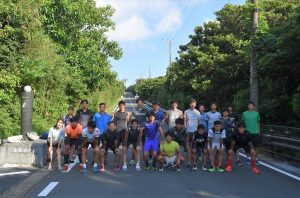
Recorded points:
(89,143)
(255,138)
(101,138)
(53,145)
(199,147)
(227,144)
(121,137)
(246,148)
(111,147)
(181,143)
(134,144)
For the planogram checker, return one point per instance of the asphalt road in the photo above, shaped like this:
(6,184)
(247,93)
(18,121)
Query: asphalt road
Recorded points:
(239,183)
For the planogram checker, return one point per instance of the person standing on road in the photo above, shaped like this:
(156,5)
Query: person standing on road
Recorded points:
(242,139)
(192,119)
(233,114)
(110,141)
(90,136)
(228,125)
(203,116)
(102,119)
(179,133)
(55,138)
(159,115)
(151,129)
(140,113)
(213,115)
(252,120)
(173,114)
(133,139)
(69,116)
(73,132)
(84,114)
(170,154)
(122,120)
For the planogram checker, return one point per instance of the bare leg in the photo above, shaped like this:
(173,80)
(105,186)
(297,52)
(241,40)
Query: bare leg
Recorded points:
(194,157)
(124,155)
(138,155)
(96,155)
(212,158)
(58,153)
(220,157)
(51,158)
(146,155)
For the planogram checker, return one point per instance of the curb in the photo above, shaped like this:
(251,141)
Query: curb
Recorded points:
(27,185)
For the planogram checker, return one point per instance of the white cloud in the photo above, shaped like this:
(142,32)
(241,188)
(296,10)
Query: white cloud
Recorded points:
(140,19)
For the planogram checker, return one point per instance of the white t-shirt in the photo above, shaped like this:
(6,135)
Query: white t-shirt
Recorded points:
(193,118)
(172,116)
(56,134)
(216,136)
(90,136)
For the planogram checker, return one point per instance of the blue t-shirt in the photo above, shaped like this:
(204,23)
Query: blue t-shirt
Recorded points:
(203,120)
(159,116)
(211,117)
(151,129)
(102,121)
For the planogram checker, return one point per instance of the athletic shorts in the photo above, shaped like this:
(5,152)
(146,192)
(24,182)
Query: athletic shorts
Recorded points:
(122,137)
(134,144)
(170,160)
(255,138)
(199,147)
(216,146)
(151,144)
(111,147)
(53,145)
(101,138)
(227,144)
(90,143)
(246,148)
(73,141)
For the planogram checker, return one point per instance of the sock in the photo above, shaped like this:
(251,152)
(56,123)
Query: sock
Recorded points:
(66,158)
(84,165)
(95,165)
(253,163)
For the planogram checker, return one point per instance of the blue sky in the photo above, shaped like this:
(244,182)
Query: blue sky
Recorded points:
(143,28)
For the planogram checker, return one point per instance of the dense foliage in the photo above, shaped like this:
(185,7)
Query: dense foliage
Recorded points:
(59,47)
(214,64)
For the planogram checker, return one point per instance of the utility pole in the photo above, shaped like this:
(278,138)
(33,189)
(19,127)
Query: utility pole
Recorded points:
(253,61)
(170,53)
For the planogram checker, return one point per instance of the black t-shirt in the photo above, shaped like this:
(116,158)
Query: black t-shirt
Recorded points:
(241,139)
(178,134)
(110,136)
(133,134)
(199,139)
(84,117)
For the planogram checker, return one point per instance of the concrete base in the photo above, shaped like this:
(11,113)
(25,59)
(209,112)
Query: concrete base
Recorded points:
(33,153)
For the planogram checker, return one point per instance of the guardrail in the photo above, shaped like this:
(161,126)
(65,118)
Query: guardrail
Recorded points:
(281,141)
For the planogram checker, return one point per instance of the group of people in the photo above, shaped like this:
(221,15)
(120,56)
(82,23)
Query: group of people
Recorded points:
(204,136)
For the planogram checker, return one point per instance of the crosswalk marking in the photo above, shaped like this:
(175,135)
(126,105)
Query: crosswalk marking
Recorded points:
(48,189)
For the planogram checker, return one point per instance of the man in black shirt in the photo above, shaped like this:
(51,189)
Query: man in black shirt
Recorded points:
(242,139)
(84,114)
(179,133)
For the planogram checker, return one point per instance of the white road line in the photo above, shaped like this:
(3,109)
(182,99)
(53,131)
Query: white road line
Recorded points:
(76,160)
(48,189)
(14,173)
(275,169)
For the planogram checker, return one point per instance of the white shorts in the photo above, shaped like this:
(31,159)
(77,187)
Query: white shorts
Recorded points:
(216,146)
(170,160)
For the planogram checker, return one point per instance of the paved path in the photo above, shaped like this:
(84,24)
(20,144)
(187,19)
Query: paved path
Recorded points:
(240,183)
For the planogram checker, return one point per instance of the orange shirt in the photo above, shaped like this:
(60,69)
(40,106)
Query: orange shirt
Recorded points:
(74,133)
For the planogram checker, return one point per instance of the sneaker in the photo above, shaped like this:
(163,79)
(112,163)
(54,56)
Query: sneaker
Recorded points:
(146,168)
(95,169)
(138,168)
(189,167)
(153,168)
(255,171)
(50,167)
(228,169)
(239,163)
(132,162)
(80,167)
(212,169)
(161,169)
(66,167)
(117,168)
(220,170)
(59,167)
(84,170)
(124,167)
(195,168)
(178,169)
(204,168)
(102,169)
